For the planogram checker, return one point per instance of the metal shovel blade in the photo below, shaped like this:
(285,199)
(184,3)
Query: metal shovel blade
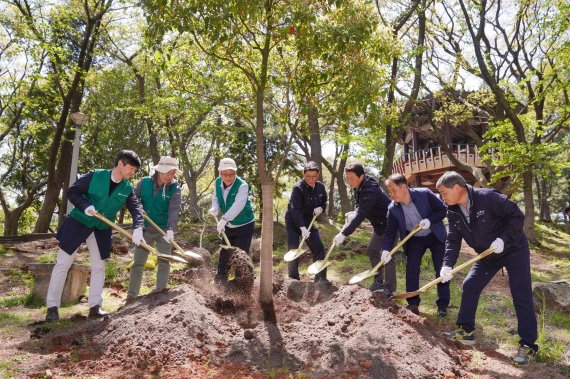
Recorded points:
(172,258)
(360,277)
(293,254)
(190,256)
(406,295)
(317,267)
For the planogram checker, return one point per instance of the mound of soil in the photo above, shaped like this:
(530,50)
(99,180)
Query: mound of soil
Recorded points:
(321,331)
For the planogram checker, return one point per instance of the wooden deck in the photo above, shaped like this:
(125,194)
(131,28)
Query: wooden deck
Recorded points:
(432,162)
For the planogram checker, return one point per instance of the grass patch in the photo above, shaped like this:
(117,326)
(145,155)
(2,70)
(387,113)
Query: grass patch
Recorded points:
(49,257)
(114,271)
(4,251)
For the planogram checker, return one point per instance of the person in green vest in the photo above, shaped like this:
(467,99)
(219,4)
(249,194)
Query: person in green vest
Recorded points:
(160,198)
(105,192)
(231,199)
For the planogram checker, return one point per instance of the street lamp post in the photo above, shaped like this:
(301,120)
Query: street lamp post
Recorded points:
(78,119)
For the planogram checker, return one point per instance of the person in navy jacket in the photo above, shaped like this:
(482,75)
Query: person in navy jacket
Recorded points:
(484,218)
(105,192)
(309,198)
(372,204)
(410,207)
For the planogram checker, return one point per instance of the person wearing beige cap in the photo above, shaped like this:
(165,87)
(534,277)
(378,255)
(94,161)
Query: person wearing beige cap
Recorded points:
(160,198)
(231,199)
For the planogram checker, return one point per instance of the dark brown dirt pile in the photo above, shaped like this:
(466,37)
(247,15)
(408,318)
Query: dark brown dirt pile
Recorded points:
(322,330)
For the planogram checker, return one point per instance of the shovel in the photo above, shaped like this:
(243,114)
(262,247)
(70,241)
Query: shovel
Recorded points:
(373,271)
(293,254)
(319,266)
(224,236)
(406,295)
(187,254)
(171,258)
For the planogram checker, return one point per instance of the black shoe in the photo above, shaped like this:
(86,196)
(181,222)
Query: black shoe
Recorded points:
(524,355)
(442,311)
(377,286)
(415,309)
(97,312)
(461,335)
(52,314)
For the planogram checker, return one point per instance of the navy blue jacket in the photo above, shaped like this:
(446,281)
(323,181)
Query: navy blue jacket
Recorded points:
(428,205)
(304,200)
(72,233)
(492,216)
(371,203)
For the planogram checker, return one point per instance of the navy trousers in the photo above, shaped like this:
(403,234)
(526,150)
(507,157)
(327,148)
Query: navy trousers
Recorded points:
(239,237)
(415,250)
(314,243)
(517,263)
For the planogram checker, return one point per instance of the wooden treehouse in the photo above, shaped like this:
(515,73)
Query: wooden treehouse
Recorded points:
(422,160)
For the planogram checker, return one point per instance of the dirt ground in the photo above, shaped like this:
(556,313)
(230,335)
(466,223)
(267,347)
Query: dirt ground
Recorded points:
(199,330)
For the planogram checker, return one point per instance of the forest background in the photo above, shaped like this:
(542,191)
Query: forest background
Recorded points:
(273,84)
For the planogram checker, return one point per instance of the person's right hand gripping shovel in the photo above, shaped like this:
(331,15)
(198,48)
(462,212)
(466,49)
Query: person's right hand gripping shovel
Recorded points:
(373,271)
(319,266)
(150,249)
(293,254)
(407,295)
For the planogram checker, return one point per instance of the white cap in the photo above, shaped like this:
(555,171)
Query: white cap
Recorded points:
(227,164)
(167,164)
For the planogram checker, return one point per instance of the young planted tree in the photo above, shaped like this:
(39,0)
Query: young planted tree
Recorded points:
(244,37)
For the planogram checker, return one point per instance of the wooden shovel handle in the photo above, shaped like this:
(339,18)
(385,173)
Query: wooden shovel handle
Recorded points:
(162,232)
(416,229)
(459,268)
(309,229)
(223,233)
(129,236)
(452,272)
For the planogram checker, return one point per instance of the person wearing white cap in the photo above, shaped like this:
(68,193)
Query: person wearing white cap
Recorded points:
(160,198)
(231,198)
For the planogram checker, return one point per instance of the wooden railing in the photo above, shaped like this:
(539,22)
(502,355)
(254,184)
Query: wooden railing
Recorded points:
(433,159)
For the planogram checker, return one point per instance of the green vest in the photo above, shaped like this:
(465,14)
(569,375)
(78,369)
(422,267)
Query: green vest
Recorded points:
(246,214)
(156,207)
(98,196)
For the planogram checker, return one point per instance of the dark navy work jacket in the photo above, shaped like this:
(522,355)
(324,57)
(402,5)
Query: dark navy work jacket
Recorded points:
(428,205)
(371,203)
(304,199)
(492,216)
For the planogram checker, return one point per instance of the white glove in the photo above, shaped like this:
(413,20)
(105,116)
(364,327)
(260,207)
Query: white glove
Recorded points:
(425,224)
(445,274)
(339,238)
(350,216)
(90,210)
(499,246)
(386,257)
(169,237)
(317,211)
(305,232)
(214,211)
(221,225)
(138,236)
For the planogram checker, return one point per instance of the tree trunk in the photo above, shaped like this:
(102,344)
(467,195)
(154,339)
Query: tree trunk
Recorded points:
(191,182)
(315,136)
(529,228)
(330,210)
